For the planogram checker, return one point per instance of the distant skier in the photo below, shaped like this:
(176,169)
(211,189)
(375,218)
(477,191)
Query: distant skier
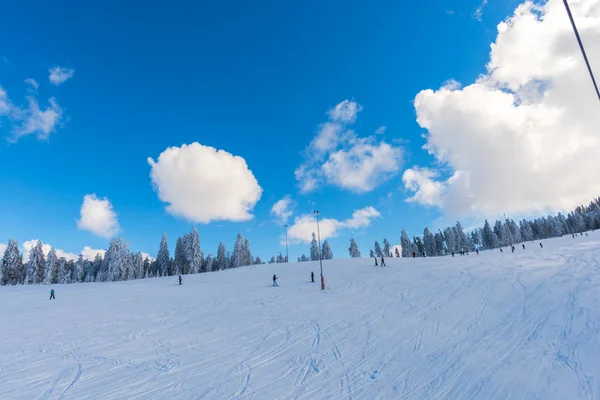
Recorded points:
(477,251)
(275,280)
(501,250)
(52,294)
(523,246)
(312,276)
(542,246)
(375,261)
(180,279)
(452,254)
(383,262)
(513,248)
(414,254)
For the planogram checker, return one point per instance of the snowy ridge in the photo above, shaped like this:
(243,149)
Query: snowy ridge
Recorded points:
(498,325)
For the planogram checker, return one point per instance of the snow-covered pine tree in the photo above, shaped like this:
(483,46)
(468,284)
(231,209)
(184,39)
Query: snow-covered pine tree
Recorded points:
(116,262)
(464,244)
(378,251)
(36,264)
(371,254)
(192,253)
(163,257)
(50,269)
(13,270)
(387,248)
(237,255)
(429,243)
(257,260)
(280,259)
(418,245)
(146,268)
(272,260)
(406,244)
(314,248)
(353,250)
(221,262)
(487,236)
(179,257)
(526,232)
(209,261)
(397,253)
(327,253)
(439,244)
(247,254)
(80,269)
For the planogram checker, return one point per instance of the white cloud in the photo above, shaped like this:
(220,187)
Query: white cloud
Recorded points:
(363,166)
(281,210)
(345,112)
(479,11)
(203,184)
(420,180)
(148,256)
(303,227)
(60,75)
(32,83)
(98,216)
(31,119)
(2,248)
(381,130)
(338,157)
(35,121)
(523,137)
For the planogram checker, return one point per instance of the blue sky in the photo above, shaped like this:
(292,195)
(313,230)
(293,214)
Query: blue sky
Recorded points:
(253,79)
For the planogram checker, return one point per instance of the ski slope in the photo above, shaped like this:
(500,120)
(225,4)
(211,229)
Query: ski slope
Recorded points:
(489,326)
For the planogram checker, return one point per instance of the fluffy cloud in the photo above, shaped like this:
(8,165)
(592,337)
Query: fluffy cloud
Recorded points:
(345,112)
(282,209)
(98,216)
(31,119)
(60,75)
(304,226)
(203,184)
(381,130)
(2,248)
(479,11)
(336,156)
(363,166)
(522,137)
(35,121)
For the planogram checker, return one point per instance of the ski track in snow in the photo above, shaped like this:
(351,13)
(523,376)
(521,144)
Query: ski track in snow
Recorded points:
(494,326)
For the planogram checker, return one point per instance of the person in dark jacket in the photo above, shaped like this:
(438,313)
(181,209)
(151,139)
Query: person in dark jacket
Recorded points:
(180,279)
(52,294)
(414,254)
(383,262)
(523,246)
(275,280)
(312,276)
(541,245)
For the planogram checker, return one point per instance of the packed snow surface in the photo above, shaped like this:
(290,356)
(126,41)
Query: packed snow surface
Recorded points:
(489,326)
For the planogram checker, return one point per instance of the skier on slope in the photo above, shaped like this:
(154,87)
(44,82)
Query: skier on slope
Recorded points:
(382,262)
(52,294)
(375,261)
(180,279)
(275,280)
(312,276)
(414,254)
(541,245)
(523,246)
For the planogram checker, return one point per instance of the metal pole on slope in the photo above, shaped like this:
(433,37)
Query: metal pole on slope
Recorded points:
(320,255)
(286,245)
(587,63)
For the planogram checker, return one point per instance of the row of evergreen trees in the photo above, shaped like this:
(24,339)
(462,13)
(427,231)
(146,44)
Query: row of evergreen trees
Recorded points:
(119,263)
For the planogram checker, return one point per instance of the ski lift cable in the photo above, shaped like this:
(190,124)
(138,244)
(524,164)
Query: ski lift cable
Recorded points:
(582,48)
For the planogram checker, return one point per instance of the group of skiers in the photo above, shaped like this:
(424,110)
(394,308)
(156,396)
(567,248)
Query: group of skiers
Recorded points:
(382,262)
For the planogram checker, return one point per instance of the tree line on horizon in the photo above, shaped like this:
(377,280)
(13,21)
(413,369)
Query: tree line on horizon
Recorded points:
(120,264)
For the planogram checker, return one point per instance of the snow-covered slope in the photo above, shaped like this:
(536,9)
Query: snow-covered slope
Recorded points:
(519,326)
